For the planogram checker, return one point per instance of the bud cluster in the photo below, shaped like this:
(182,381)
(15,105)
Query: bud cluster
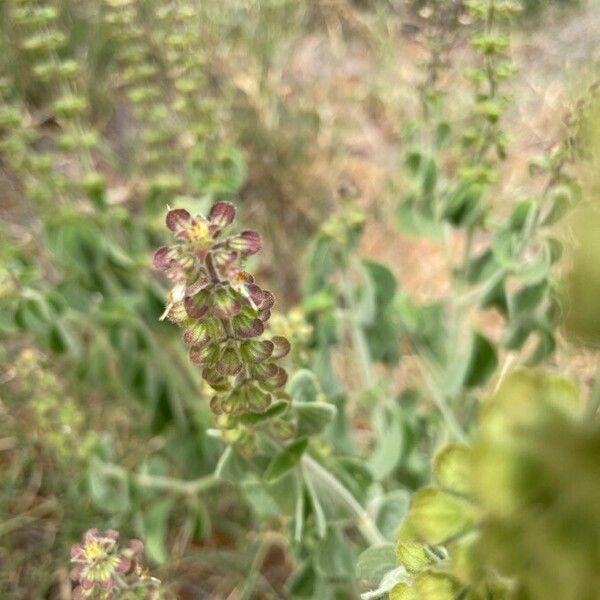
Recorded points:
(104,571)
(142,80)
(41,47)
(221,310)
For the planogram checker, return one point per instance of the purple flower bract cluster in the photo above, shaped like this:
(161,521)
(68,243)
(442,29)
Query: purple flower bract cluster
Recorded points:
(222,311)
(104,571)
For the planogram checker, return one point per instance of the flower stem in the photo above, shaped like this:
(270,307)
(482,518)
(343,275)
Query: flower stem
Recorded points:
(168,484)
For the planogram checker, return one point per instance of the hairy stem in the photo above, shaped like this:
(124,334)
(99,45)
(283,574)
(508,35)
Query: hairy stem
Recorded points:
(167,484)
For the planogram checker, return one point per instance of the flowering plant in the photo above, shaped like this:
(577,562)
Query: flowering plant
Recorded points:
(222,310)
(105,571)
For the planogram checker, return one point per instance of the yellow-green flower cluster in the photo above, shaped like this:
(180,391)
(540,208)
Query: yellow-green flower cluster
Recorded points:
(51,416)
(345,227)
(294,326)
(514,515)
(162,68)
(485,137)
(41,51)
(143,74)
(536,476)
(437,543)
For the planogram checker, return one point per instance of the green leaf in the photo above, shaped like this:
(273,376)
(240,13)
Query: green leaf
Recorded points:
(60,339)
(258,497)
(521,214)
(481,267)
(388,583)
(283,491)
(391,511)
(561,202)
(313,417)
(109,489)
(303,387)
(331,504)
(464,205)
(413,555)
(365,309)
(545,347)
(275,410)
(33,312)
(556,249)
(438,516)
(518,331)
(319,302)
(388,433)
(156,521)
(414,160)
(320,264)
(221,175)
(323,368)
(526,299)
(482,363)
(383,338)
(506,248)
(303,581)
(426,324)
(429,177)
(452,468)
(535,270)
(231,466)
(415,221)
(356,475)
(443,131)
(340,433)
(375,562)
(336,557)
(384,281)
(494,295)
(317,508)
(287,459)
(117,256)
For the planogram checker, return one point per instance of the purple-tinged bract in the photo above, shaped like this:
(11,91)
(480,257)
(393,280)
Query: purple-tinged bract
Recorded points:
(222,310)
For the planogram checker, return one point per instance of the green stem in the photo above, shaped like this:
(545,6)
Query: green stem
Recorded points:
(468,250)
(254,573)
(36,513)
(167,484)
(441,403)
(222,462)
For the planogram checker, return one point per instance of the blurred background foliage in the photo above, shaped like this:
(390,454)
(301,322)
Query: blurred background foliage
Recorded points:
(409,182)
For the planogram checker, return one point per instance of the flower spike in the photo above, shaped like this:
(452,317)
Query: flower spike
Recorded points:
(222,311)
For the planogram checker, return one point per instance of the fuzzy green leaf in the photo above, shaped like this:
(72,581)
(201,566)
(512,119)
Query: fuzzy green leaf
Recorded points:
(303,387)
(313,417)
(375,561)
(438,516)
(452,468)
(287,459)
